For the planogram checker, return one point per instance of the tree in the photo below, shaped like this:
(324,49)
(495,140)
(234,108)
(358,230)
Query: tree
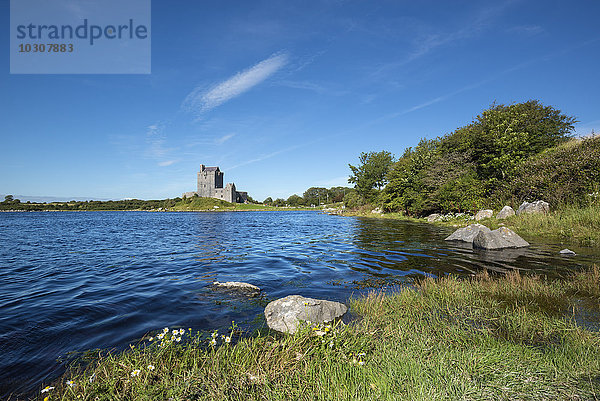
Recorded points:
(315,196)
(371,175)
(268,201)
(295,200)
(8,198)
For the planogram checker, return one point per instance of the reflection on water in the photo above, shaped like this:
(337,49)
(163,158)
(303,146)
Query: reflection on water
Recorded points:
(78,281)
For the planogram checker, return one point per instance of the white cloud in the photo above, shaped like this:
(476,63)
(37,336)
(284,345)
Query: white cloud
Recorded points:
(167,163)
(201,100)
(223,139)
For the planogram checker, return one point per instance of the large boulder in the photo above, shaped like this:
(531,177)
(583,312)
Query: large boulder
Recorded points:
(237,288)
(285,314)
(506,212)
(433,217)
(484,214)
(498,239)
(539,206)
(467,234)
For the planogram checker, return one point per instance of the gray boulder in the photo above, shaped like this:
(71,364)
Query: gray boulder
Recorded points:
(498,239)
(433,217)
(484,214)
(285,314)
(467,234)
(567,252)
(539,206)
(237,288)
(506,212)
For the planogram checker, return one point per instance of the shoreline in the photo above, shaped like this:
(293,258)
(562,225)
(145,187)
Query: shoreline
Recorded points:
(511,336)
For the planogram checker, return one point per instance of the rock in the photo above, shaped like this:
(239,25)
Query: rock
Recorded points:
(567,252)
(467,234)
(506,212)
(237,287)
(539,206)
(484,214)
(433,217)
(285,314)
(498,239)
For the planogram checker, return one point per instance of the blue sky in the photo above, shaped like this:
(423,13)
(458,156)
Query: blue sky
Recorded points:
(282,95)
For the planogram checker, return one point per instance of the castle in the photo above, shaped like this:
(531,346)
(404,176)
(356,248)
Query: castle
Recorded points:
(210,185)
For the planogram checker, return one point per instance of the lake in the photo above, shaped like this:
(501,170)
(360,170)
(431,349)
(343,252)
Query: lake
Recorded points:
(76,281)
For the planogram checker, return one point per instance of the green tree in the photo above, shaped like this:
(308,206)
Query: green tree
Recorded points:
(268,201)
(295,200)
(315,196)
(371,174)
(9,198)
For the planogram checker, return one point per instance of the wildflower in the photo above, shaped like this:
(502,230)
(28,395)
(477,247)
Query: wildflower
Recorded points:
(135,373)
(46,398)
(92,377)
(213,341)
(150,367)
(181,332)
(160,336)
(178,339)
(151,339)
(362,354)
(228,339)
(214,334)
(48,388)
(175,332)
(166,330)
(70,383)
(331,344)
(360,363)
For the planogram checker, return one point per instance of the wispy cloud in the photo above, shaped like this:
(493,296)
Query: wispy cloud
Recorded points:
(223,139)
(314,87)
(264,157)
(156,145)
(201,100)
(529,30)
(167,163)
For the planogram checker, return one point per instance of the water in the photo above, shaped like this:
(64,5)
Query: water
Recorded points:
(71,282)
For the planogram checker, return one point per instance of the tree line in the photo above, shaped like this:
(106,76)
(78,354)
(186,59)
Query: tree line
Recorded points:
(507,154)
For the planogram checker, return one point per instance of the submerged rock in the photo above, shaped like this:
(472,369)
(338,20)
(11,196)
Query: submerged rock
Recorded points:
(285,314)
(498,239)
(237,287)
(467,234)
(539,206)
(506,212)
(484,214)
(567,252)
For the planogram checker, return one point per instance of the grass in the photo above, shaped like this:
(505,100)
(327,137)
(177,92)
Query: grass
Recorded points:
(217,205)
(578,225)
(486,338)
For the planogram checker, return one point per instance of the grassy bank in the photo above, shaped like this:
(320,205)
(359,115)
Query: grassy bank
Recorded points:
(484,338)
(571,224)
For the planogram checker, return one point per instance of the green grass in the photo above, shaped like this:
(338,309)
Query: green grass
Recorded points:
(208,204)
(485,338)
(578,225)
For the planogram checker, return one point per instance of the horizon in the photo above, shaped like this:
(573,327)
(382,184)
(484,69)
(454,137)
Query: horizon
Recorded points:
(283,98)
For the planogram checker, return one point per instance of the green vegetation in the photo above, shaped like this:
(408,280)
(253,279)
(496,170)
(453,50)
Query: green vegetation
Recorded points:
(372,174)
(313,196)
(507,155)
(127,204)
(484,338)
(577,224)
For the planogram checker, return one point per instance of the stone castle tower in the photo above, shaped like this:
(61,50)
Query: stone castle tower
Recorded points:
(210,185)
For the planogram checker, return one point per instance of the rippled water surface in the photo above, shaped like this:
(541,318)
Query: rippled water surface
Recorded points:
(71,282)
